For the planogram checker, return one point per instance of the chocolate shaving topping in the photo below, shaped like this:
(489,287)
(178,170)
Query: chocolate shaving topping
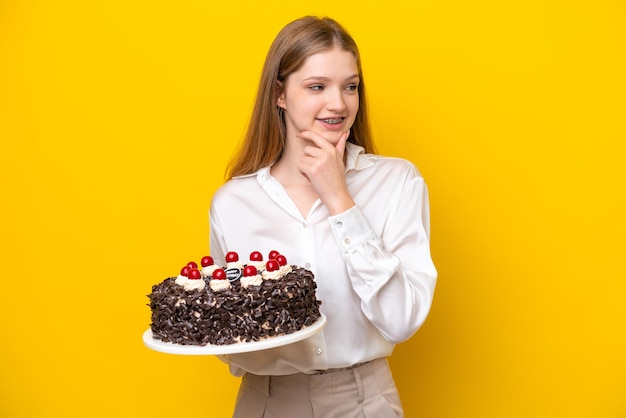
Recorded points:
(201,317)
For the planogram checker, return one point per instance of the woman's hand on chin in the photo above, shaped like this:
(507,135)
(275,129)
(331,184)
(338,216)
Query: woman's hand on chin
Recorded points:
(323,165)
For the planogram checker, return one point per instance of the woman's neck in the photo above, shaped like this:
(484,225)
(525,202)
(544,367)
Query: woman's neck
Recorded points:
(285,170)
(296,184)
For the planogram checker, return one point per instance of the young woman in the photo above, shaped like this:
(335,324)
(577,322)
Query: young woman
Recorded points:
(307,184)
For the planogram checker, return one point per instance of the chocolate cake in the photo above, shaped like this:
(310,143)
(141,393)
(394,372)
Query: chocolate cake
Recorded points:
(235,303)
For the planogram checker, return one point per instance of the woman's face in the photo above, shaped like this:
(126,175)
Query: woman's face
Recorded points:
(322,96)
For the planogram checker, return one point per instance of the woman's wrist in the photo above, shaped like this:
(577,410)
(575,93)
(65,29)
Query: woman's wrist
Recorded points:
(338,206)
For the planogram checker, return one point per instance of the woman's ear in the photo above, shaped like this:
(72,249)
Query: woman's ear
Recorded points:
(280,102)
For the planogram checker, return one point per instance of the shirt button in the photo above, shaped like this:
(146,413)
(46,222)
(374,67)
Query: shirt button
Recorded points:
(339,224)
(307,266)
(318,351)
(346,241)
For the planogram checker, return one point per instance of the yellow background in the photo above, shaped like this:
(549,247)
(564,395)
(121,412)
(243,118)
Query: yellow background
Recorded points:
(117,119)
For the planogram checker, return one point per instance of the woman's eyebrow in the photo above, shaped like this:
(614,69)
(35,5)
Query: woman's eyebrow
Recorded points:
(323,78)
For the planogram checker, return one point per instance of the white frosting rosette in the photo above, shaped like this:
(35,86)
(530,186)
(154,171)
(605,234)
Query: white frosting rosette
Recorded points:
(255,280)
(234,265)
(190,284)
(260,265)
(217,285)
(208,270)
(271,275)
(180,280)
(285,269)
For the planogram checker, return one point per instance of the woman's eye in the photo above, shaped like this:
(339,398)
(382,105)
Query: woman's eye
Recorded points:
(352,87)
(316,87)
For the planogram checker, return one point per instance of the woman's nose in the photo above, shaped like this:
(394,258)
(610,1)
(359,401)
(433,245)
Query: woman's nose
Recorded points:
(335,101)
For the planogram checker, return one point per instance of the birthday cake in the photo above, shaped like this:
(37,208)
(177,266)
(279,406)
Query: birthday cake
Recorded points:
(234,303)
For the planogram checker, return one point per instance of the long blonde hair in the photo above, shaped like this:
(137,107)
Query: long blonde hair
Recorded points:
(264,141)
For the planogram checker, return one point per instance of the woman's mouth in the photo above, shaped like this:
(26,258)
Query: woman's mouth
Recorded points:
(332,121)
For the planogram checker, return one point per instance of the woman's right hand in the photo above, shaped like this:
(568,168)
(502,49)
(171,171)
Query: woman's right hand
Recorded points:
(323,165)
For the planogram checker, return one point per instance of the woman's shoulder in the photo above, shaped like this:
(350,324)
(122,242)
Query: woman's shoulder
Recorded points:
(358,159)
(236,187)
(385,164)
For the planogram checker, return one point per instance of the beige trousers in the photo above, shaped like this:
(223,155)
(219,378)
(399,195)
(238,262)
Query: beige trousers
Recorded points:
(365,391)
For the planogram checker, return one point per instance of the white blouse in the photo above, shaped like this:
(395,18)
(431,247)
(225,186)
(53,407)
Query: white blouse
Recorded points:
(372,264)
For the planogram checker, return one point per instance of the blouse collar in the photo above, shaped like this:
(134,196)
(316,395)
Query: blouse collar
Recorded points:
(356,159)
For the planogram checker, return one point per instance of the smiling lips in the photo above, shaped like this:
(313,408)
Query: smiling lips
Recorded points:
(331,123)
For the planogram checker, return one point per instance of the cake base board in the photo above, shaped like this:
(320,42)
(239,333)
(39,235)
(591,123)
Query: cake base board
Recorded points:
(244,347)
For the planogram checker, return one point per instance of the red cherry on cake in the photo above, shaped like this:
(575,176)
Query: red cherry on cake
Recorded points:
(206,261)
(219,274)
(192,265)
(194,274)
(249,271)
(185,271)
(256,256)
(273,254)
(282,260)
(232,257)
(272,265)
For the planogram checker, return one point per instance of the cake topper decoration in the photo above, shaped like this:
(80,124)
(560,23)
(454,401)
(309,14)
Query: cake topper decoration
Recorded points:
(233,274)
